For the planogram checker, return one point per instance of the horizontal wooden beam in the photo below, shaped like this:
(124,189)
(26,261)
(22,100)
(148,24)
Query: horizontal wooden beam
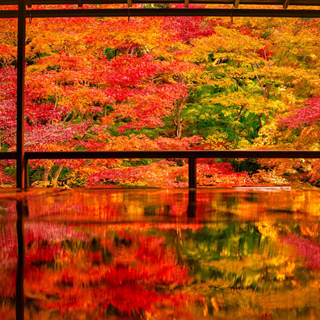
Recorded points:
(230,154)
(251,154)
(8,155)
(163,154)
(230,2)
(280,13)
(6,14)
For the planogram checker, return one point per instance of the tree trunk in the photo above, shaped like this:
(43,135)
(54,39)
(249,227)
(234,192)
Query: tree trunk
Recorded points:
(46,175)
(177,117)
(260,119)
(56,177)
(177,112)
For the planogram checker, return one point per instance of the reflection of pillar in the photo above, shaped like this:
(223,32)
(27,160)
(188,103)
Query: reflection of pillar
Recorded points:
(192,204)
(192,173)
(21,212)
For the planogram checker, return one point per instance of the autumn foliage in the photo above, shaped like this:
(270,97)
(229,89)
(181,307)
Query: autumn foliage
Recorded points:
(164,83)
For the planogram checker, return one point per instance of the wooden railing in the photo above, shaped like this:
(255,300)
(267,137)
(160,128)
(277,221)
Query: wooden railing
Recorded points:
(191,155)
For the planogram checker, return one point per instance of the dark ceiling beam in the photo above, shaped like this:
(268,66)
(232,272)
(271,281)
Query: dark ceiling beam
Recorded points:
(281,13)
(286,4)
(248,2)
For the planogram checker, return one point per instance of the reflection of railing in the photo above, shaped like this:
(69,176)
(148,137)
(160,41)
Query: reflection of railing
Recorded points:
(191,155)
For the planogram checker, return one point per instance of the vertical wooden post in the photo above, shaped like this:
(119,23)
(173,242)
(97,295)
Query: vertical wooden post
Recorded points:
(26,178)
(192,173)
(20,94)
(21,212)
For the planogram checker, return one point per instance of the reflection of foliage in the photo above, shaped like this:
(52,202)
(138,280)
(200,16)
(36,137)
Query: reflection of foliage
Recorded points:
(220,252)
(145,271)
(122,274)
(132,283)
(307,249)
(243,270)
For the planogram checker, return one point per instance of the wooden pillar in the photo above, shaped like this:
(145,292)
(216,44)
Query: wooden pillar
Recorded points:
(26,178)
(192,172)
(20,94)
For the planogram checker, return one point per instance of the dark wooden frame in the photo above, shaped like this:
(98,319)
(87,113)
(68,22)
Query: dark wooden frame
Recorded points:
(64,13)
(235,3)
(22,157)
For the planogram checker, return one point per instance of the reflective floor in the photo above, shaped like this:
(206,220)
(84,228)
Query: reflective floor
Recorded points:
(160,254)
